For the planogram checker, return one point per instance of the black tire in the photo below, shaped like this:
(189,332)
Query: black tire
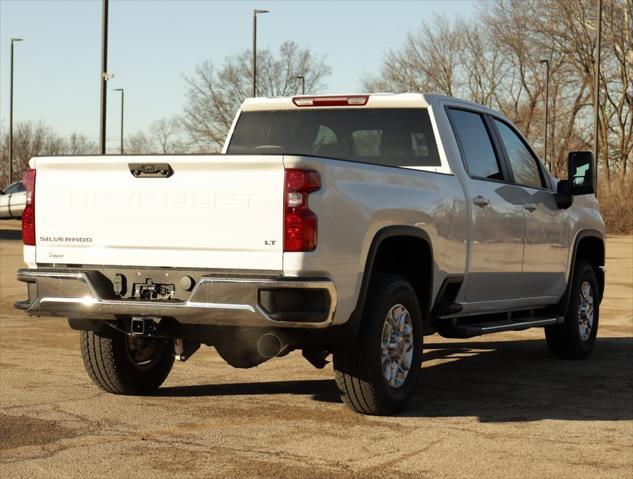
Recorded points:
(566,340)
(110,362)
(359,366)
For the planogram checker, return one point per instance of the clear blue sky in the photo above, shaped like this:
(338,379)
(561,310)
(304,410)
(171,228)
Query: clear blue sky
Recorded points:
(154,43)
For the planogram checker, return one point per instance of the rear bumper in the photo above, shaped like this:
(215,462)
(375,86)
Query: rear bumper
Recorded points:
(213,301)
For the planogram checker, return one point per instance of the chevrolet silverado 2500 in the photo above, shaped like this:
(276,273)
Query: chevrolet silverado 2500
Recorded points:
(345,225)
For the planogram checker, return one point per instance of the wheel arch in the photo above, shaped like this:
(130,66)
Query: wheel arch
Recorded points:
(389,248)
(589,246)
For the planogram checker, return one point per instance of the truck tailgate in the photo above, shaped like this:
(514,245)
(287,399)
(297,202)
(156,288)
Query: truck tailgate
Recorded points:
(216,211)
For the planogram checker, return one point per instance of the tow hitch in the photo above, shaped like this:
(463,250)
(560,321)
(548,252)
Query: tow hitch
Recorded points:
(149,328)
(145,326)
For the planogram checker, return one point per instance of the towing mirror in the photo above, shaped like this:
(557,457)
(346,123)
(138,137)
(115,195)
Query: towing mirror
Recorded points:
(580,173)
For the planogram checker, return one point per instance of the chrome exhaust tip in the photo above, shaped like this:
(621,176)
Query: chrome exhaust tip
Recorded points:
(270,345)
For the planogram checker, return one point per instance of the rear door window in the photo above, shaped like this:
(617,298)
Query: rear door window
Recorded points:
(383,136)
(475,144)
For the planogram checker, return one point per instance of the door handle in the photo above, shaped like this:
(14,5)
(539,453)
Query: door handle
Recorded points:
(529,206)
(481,200)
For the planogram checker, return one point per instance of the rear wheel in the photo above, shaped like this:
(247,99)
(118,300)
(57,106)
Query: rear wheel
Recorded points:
(576,336)
(123,364)
(377,373)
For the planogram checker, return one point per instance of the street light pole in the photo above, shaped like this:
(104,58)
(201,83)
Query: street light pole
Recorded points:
(13,40)
(546,62)
(104,75)
(303,84)
(255,12)
(596,95)
(122,109)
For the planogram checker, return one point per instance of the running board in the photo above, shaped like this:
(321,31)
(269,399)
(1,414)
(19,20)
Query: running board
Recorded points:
(469,330)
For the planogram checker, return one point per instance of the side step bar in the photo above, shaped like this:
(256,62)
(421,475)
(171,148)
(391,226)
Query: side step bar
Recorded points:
(469,330)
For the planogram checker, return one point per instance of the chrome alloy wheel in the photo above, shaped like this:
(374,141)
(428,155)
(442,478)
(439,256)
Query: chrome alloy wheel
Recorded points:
(397,345)
(585,311)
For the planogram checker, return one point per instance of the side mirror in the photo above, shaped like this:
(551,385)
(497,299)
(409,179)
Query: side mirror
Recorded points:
(580,173)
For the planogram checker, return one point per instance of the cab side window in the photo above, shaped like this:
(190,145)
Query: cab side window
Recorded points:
(524,165)
(475,144)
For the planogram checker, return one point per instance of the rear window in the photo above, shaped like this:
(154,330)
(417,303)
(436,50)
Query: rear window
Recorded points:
(383,136)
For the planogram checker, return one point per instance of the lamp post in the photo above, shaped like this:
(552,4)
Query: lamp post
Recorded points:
(546,63)
(104,77)
(596,94)
(255,12)
(303,83)
(122,109)
(13,40)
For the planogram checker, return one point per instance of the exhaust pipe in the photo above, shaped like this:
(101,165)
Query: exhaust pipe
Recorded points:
(249,347)
(271,345)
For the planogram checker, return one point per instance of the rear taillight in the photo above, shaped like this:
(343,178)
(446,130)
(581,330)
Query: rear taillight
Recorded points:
(28,215)
(300,223)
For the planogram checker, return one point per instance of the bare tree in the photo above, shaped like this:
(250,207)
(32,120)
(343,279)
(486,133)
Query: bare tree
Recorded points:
(138,144)
(429,60)
(29,140)
(484,66)
(215,93)
(495,59)
(79,144)
(166,134)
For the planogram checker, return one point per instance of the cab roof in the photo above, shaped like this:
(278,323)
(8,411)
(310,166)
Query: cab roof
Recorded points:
(371,100)
(358,100)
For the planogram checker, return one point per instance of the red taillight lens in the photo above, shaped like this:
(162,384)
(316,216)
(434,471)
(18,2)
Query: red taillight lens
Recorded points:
(302,181)
(28,215)
(300,230)
(300,223)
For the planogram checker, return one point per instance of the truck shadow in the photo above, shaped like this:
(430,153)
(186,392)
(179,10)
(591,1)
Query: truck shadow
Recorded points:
(520,381)
(493,381)
(320,389)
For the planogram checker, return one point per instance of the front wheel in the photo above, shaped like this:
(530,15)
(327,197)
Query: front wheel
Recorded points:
(576,336)
(123,364)
(377,373)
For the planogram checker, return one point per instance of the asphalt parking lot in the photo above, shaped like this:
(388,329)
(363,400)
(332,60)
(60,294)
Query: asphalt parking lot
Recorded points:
(493,406)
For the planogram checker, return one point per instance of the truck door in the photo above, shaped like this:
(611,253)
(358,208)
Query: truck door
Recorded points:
(546,243)
(496,228)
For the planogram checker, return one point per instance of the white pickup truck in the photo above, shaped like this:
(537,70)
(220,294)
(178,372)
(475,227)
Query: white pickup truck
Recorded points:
(345,225)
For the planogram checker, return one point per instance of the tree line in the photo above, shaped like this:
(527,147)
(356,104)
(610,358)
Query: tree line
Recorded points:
(39,139)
